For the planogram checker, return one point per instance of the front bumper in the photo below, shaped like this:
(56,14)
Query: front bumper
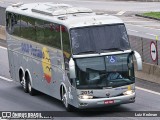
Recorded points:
(100,102)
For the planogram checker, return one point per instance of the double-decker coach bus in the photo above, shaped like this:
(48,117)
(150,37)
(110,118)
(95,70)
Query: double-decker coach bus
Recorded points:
(71,54)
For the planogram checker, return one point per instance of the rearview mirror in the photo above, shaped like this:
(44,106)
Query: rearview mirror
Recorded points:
(72,70)
(139,60)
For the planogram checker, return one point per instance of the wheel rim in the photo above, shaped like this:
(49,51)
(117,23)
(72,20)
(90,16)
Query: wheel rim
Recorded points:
(65,100)
(29,87)
(24,83)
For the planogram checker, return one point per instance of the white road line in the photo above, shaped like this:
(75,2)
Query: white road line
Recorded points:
(132,30)
(120,12)
(3,78)
(150,91)
(151,34)
(3,48)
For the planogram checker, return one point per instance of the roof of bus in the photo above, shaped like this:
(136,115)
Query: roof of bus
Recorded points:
(63,14)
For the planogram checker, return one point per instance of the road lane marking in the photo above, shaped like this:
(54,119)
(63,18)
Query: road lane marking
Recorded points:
(3,48)
(151,34)
(150,91)
(132,30)
(120,13)
(4,78)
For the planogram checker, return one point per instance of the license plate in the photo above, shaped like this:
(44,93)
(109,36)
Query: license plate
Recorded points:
(108,101)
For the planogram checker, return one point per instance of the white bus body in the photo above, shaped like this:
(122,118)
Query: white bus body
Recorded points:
(71,54)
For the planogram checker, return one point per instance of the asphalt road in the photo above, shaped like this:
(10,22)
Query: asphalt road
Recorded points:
(12,97)
(103,5)
(142,27)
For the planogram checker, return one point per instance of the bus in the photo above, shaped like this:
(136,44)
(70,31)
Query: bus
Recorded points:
(72,54)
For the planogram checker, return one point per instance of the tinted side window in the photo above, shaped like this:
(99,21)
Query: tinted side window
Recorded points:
(66,46)
(13,23)
(34,29)
(28,29)
(7,21)
(40,31)
(31,29)
(52,35)
(16,19)
(24,27)
(66,41)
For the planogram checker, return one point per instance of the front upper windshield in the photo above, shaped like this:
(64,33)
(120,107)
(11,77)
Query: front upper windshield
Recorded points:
(96,39)
(106,71)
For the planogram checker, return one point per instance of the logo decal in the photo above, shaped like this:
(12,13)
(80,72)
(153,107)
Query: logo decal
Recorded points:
(46,64)
(112,59)
(107,94)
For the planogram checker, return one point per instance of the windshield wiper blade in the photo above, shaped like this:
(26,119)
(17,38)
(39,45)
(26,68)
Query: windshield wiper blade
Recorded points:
(115,49)
(87,52)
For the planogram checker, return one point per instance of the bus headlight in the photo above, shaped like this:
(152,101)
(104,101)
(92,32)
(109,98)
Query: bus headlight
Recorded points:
(85,96)
(128,92)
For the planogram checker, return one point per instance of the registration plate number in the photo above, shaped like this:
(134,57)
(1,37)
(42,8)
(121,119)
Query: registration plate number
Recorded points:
(108,101)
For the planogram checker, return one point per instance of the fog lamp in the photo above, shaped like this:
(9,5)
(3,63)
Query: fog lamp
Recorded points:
(128,92)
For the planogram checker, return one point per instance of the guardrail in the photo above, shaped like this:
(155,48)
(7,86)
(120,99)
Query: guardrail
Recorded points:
(2,33)
(149,50)
(2,16)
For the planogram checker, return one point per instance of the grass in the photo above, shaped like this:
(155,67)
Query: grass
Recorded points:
(152,14)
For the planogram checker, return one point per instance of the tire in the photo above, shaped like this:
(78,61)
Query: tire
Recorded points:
(25,85)
(31,90)
(65,102)
(21,78)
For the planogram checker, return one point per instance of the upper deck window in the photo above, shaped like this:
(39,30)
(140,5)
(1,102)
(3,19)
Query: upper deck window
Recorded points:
(97,39)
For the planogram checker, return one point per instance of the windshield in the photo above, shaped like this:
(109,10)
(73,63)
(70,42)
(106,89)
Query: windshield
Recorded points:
(97,39)
(106,71)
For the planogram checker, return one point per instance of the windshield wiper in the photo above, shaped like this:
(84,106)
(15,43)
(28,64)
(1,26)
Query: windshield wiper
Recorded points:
(113,49)
(87,52)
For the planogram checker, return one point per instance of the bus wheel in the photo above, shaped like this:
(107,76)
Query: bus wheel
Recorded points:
(30,89)
(21,77)
(24,84)
(65,102)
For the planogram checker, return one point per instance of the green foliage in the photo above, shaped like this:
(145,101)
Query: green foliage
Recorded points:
(152,14)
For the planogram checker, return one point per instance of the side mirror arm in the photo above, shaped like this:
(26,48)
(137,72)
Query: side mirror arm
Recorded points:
(72,70)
